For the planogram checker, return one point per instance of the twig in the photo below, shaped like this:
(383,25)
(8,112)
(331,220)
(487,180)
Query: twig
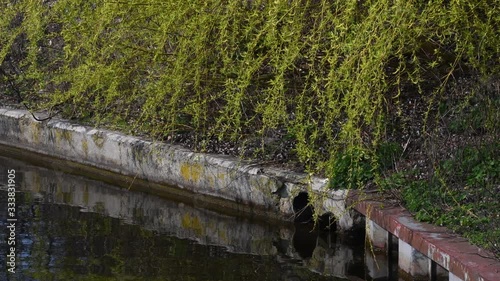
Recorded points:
(21,100)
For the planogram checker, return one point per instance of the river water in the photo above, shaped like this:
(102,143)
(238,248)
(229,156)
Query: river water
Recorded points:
(70,227)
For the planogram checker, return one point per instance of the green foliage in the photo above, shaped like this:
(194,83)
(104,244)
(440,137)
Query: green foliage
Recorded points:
(463,194)
(396,181)
(355,168)
(423,198)
(327,72)
(387,154)
(477,115)
(352,169)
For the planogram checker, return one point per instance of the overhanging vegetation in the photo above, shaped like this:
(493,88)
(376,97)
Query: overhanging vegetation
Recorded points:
(359,89)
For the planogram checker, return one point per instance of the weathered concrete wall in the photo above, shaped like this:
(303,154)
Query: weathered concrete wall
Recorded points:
(267,189)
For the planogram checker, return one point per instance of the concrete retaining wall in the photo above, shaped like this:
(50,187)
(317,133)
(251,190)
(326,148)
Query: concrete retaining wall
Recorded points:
(262,189)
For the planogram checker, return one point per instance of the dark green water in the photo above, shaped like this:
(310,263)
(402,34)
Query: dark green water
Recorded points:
(73,228)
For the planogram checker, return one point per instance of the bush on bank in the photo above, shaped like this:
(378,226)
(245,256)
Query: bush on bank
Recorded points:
(353,85)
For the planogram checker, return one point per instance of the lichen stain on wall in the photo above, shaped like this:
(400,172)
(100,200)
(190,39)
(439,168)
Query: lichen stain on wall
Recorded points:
(263,184)
(85,147)
(98,139)
(57,137)
(35,131)
(211,181)
(191,172)
(62,134)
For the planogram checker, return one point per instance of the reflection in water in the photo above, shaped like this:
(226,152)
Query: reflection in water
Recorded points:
(73,228)
(304,240)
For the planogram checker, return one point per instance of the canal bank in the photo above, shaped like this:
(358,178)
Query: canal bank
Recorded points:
(249,188)
(246,186)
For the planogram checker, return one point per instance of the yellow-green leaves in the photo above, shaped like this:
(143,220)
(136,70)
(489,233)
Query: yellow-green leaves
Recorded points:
(324,71)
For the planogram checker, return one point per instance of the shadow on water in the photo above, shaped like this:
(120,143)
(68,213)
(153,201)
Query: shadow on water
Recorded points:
(74,228)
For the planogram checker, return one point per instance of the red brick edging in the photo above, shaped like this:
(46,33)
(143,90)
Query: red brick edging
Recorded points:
(447,249)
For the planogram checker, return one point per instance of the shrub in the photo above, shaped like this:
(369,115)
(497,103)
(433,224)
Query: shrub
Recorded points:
(328,72)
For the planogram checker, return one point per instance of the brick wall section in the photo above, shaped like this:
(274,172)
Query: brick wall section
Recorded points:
(449,250)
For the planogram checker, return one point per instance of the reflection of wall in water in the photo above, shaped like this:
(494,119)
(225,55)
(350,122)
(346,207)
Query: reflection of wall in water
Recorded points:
(173,218)
(321,250)
(184,221)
